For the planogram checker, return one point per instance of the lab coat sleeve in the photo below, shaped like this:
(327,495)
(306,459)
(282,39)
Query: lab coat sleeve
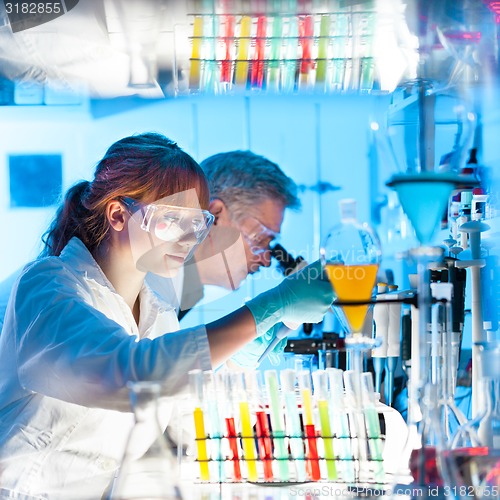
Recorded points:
(69,350)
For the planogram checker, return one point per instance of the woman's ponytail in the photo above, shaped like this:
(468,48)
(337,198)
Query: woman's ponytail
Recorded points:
(68,221)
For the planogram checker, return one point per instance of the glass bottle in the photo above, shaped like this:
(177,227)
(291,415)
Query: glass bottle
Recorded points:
(351,256)
(146,472)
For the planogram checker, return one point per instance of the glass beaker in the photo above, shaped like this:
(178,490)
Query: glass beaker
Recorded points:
(149,468)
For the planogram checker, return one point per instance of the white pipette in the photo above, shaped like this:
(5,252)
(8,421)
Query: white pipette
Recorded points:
(280,334)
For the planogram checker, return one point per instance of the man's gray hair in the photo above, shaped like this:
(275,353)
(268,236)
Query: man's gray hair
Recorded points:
(242,178)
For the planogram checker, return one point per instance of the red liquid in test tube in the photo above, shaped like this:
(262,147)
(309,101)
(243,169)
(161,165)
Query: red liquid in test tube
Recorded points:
(257,76)
(226,73)
(306,32)
(312,453)
(265,446)
(232,437)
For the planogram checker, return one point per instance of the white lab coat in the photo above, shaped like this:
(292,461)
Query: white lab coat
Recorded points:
(67,349)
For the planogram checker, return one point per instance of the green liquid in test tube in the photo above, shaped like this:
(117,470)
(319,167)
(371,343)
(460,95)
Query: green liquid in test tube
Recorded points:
(320,382)
(277,424)
(274,63)
(372,425)
(340,423)
(324,40)
(294,428)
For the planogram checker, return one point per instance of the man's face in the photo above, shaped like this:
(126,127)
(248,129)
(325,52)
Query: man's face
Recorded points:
(238,246)
(259,228)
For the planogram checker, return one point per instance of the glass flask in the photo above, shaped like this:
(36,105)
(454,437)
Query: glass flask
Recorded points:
(146,472)
(426,464)
(475,456)
(476,445)
(351,257)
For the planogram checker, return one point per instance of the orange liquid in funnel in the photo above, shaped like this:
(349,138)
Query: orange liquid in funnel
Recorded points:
(353,283)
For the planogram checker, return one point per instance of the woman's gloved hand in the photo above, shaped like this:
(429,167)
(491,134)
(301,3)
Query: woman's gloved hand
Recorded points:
(248,356)
(302,297)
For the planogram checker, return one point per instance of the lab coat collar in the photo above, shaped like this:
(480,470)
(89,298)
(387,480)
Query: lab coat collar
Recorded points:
(80,260)
(76,255)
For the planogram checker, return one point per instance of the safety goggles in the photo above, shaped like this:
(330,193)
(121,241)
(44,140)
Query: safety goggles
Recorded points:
(171,223)
(257,235)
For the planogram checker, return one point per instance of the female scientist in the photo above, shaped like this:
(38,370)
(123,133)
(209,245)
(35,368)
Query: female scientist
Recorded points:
(81,322)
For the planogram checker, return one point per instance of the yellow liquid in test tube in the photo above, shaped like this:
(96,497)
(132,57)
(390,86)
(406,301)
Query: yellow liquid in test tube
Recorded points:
(201,444)
(248,442)
(307,407)
(353,282)
(326,431)
(241,71)
(194,74)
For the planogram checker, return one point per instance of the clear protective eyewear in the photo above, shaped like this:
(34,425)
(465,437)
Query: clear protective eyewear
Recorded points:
(171,223)
(257,235)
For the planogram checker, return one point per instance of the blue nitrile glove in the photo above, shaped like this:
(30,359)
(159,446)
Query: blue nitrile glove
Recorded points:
(302,297)
(248,356)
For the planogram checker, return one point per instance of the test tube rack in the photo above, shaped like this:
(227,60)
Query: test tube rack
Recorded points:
(284,52)
(289,435)
(222,469)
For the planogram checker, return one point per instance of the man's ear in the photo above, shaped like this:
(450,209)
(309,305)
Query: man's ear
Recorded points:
(219,209)
(116,215)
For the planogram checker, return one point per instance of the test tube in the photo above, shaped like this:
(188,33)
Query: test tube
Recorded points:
(247,436)
(263,433)
(381,325)
(232,435)
(196,385)
(242,56)
(290,68)
(210,70)
(294,428)
(306,32)
(320,382)
(274,62)
(352,382)
(340,423)
(257,74)
(195,69)
(216,428)
(324,40)
(226,72)
(393,345)
(372,426)
(277,423)
(310,431)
